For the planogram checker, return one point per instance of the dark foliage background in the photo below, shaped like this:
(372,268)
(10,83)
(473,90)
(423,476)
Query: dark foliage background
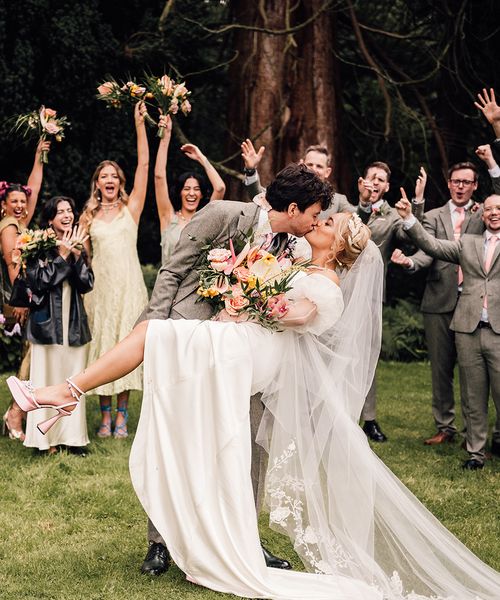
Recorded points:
(406,72)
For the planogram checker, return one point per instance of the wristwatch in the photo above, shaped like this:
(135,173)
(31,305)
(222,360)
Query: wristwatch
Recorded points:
(249,172)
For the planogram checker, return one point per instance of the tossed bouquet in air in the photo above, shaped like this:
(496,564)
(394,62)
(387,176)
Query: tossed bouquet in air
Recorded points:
(168,96)
(33,243)
(250,285)
(41,124)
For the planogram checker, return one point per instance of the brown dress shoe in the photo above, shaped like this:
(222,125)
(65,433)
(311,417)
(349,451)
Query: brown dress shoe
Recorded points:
(440,438)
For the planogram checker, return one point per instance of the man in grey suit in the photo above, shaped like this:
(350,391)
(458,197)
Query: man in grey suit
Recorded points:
(444,283)
(476,320)
(294,201)
(316,158)
(387,231)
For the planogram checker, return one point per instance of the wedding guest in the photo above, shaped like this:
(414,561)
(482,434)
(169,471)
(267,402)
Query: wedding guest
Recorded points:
(57,327)
(111,217)
(442,290)
(316,157)
(476,320)
(190,191)
(17,206)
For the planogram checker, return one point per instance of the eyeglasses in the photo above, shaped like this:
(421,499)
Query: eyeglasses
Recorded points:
(464,182)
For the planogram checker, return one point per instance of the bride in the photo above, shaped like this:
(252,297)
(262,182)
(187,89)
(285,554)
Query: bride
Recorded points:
(359,531)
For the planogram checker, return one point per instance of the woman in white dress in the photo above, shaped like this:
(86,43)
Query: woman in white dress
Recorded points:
(57,325)
(355,526)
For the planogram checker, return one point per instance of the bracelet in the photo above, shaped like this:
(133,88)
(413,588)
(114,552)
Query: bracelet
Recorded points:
(249,172)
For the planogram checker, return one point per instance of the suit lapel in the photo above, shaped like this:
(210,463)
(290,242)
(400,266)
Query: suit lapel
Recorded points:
(495,255)
(479,243)
(249,218)
(445,216)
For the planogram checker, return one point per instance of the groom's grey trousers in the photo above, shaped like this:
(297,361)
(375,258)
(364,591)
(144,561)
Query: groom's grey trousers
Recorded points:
(258,471)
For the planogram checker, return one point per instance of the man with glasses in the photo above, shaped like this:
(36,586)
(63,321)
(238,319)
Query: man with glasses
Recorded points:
(442,290)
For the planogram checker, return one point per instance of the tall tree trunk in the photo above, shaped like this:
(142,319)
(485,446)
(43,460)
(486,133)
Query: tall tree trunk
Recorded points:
(282,86)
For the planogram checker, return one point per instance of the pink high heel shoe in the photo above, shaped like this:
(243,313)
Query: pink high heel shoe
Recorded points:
(23,394)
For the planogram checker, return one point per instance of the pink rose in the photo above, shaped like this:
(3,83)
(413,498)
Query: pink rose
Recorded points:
(241,274)
(180,90)
(106,88)
(235,304)
(49,112)
(219,258)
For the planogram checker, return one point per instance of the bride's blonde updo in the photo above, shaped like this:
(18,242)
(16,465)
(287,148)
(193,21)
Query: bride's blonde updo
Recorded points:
(355,235)
(94,202)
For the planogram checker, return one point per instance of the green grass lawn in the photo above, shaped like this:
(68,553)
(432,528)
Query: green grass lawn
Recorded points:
(72,528)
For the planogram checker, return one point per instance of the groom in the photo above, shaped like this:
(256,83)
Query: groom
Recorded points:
(292,204)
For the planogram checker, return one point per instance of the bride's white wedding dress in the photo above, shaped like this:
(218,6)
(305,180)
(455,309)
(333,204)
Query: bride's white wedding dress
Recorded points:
(350,519)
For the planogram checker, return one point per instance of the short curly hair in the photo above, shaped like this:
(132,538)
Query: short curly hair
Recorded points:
(297,183)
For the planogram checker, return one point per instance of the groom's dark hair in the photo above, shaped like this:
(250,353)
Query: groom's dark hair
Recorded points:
(297,183)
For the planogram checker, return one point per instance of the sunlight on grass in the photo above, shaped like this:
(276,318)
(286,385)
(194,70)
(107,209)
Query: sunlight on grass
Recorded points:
(72,528)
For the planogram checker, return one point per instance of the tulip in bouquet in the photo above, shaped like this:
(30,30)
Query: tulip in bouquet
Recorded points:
(42,124)
(169,96)
(250,285)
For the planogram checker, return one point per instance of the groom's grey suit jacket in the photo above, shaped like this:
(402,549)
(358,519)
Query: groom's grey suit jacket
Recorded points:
(174,294)
(469,253)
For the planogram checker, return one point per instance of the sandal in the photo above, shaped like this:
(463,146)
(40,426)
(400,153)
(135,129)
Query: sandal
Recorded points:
(121,430)
(104,430)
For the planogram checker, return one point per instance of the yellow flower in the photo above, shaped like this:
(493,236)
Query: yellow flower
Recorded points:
(251,282)
(211,293)
(25,238)
(269,259)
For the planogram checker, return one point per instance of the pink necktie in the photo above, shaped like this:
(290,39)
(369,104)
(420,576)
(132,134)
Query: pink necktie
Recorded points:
(490,250)
(457,230)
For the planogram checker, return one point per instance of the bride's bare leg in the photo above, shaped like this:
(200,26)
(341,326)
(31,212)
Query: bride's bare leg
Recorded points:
(117,362)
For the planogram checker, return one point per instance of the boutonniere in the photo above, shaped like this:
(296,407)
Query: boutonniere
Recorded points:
(381,211)
(475,207)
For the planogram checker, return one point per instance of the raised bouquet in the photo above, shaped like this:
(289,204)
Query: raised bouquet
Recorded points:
(169,96)
(42,123)
(33,243)
(250,285)
(161,92)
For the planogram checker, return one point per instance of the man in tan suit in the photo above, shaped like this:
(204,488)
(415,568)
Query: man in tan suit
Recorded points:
(295,199)
(476,320)
(387,232)
(444,282)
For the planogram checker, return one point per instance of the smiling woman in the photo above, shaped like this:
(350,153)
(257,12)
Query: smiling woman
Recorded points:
(112,217)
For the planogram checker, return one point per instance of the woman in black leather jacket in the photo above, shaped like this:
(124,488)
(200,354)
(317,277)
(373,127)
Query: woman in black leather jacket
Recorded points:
(57,325)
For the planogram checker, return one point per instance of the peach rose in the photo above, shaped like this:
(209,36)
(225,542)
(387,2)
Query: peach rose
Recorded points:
(186,107)
(49,112)
(180,90)
(52,128)
(219,258)
(235,304)
(241,274)
(167,85)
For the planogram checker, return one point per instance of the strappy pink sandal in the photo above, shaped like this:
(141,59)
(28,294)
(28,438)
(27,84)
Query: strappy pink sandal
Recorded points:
(23,394)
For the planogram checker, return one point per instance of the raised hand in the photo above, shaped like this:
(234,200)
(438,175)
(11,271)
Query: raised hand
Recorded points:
(420,185)
(488,106)
(43,146)
(250,157)
(365,189)
(193,152)
(78,238)
(403,206)
(140,113)
(398,258)
(64,244)
(485,154)
(165,122)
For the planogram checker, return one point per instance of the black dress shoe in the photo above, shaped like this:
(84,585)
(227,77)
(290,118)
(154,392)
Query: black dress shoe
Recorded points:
(157,559)
(274,561)
(81,451)
(373,431)
(495,448)
(472,464)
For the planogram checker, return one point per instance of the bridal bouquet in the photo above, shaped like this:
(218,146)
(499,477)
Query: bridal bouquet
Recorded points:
(251,284)
(170,96)
(42,123)
(117,95)
(33,243)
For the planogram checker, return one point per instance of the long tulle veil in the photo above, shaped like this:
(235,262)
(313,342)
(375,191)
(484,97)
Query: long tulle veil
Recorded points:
(343,509)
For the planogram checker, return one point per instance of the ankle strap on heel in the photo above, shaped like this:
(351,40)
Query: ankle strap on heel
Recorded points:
(73,388)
